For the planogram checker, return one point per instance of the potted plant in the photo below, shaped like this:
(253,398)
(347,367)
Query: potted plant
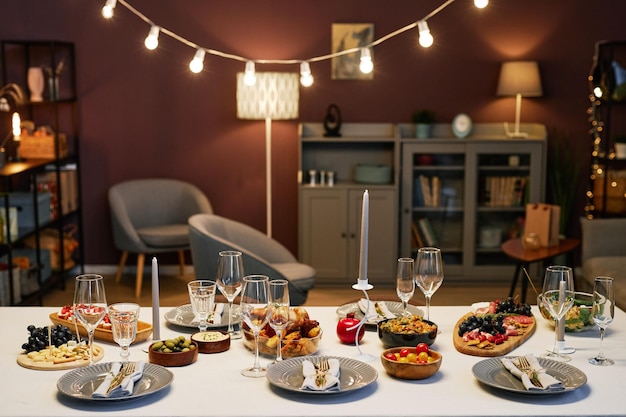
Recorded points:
(423,120)
(620,146)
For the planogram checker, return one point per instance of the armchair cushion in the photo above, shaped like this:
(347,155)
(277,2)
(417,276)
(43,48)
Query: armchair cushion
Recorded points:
(168,236)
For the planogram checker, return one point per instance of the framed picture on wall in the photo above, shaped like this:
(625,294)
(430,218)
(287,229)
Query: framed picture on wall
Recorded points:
(348,36)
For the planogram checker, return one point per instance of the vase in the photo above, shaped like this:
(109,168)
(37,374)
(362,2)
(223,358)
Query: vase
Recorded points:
(53,87)
(35,83)
(422,130)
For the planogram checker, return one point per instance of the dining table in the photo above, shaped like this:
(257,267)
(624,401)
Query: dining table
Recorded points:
(214,386)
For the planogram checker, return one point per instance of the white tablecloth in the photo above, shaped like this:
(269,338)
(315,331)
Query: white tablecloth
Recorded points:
(214,386)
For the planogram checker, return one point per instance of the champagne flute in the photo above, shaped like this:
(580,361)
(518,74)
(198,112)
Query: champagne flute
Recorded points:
(405,286)
(124,318)
(202,297)
(255,312)
(279,311)
(429,273)
(90,304)
(603,311)
(558,298)
(229,281)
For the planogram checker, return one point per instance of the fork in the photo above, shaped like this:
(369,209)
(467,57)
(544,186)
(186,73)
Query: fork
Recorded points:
(525,366)
(127,370)
(322,368)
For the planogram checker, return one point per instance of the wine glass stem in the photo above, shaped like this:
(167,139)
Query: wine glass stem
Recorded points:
(427,307)
(257,365)
(404,303)
(230,317)
(90,334)
(279,351)
(125,353)
(555,349)
(601,354)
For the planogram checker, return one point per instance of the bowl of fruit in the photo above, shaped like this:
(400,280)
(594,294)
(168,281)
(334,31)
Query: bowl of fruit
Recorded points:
(406,331)
(178,351)
(579,317)
(419,362)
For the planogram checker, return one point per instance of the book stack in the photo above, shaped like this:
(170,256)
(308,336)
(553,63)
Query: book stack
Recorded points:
(47,182)
(423,233)
(428,191)
(504,191)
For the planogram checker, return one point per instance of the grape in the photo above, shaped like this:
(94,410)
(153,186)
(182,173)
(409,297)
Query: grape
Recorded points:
(38,338)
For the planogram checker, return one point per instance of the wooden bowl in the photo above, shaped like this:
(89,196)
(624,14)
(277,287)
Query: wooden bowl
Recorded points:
(212,341)
(408,370)
(173,358)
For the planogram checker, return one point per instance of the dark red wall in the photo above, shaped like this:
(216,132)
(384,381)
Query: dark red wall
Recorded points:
(143,114)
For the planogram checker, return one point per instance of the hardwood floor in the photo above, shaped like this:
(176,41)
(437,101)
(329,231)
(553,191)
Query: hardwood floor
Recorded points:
(173,292)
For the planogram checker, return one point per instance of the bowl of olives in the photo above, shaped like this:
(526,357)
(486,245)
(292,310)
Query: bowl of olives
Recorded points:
(178,351)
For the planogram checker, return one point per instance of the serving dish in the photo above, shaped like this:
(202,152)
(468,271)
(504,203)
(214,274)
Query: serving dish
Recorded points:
(578,318)
(82,382)
(173,358)
(393,306)
(212,341)
(144,330)
(183,316)
(395,339)
(290,348)
(353,375)
(26,362)
(411,370)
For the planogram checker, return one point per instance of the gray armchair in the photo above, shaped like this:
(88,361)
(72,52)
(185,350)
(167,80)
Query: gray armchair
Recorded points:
(149,216)
(209,234)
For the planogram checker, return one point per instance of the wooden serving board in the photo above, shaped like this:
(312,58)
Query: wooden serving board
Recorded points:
(144,330)
(497,350)
(26,362)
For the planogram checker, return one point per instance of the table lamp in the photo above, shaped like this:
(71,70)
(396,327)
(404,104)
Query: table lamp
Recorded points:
(274,96)
(519,78)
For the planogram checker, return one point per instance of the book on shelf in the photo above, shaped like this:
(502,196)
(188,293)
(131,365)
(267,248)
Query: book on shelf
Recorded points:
(504,191)
(427,232)
(416,237)
(428,191)
(47,182)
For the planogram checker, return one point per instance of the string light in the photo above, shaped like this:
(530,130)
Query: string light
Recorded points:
(366,65)
(425,38)
(481,4)
(197,63)
(152,40)
(107,10)
(249,77)
(306,77)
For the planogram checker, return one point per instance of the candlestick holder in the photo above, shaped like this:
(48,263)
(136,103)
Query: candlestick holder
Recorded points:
(362,285)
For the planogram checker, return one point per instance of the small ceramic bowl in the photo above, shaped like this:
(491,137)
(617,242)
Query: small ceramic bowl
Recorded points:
(173,358)
(411,370)
(391,338)
(212,341)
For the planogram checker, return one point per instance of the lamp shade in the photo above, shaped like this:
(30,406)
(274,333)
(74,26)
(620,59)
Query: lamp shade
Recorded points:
(274,95)
(520,77)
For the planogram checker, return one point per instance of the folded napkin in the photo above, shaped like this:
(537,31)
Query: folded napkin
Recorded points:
(329,382)
(217,314)
(127,385)
(547,382)
(375,311)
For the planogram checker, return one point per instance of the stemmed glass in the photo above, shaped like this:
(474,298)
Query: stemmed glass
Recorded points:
(429,273)
(124,318)
(255,312)
(202,297)
(405,286)
(279,311)
(90,304)
(603,311)
(229,281)
(558,298)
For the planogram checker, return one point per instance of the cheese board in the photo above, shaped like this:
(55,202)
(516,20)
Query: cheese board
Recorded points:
(144,330)
(24,360)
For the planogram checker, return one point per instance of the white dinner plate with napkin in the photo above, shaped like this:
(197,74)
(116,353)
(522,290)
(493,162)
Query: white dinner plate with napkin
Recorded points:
(317,380)
(543,381)
(125,388)
(375,311)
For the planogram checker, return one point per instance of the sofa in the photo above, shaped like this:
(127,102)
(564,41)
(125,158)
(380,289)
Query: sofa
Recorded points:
(603,253)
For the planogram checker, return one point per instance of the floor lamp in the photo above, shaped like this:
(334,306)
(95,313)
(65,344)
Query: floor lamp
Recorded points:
(274,96)
(519,78)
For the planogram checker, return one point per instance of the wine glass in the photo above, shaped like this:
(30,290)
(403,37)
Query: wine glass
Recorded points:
(603,310)
(124,318)
(279,311)
(558,298)
(202,296)
(229,281)
(405,286)
(255,312)
(429,273)
(90,304)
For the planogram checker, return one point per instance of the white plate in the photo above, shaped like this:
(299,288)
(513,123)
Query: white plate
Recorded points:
(491,372)
(183,316)
(82,382)
(393,306)
(353,375)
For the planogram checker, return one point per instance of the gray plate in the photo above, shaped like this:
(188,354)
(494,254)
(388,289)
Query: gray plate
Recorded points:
(183,316)
(82,382)
(394,306)
(353,375)
(491,372)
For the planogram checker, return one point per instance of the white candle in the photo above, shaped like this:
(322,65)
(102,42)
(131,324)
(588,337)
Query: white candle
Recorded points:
(364,232)
(155,300)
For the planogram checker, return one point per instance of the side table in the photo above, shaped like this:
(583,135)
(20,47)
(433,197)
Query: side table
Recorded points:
(524,257)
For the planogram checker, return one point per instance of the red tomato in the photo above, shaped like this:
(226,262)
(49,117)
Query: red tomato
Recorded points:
(348,336)
(390,356)
(421,347)
(404,352)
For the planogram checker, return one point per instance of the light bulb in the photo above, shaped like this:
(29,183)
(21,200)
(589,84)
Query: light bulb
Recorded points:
(366,66)
(249,76)
(425,39)
(197,63)
(481,4)
(152,40)
(597,91)
(107,10)
(16,125)
(306,78)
